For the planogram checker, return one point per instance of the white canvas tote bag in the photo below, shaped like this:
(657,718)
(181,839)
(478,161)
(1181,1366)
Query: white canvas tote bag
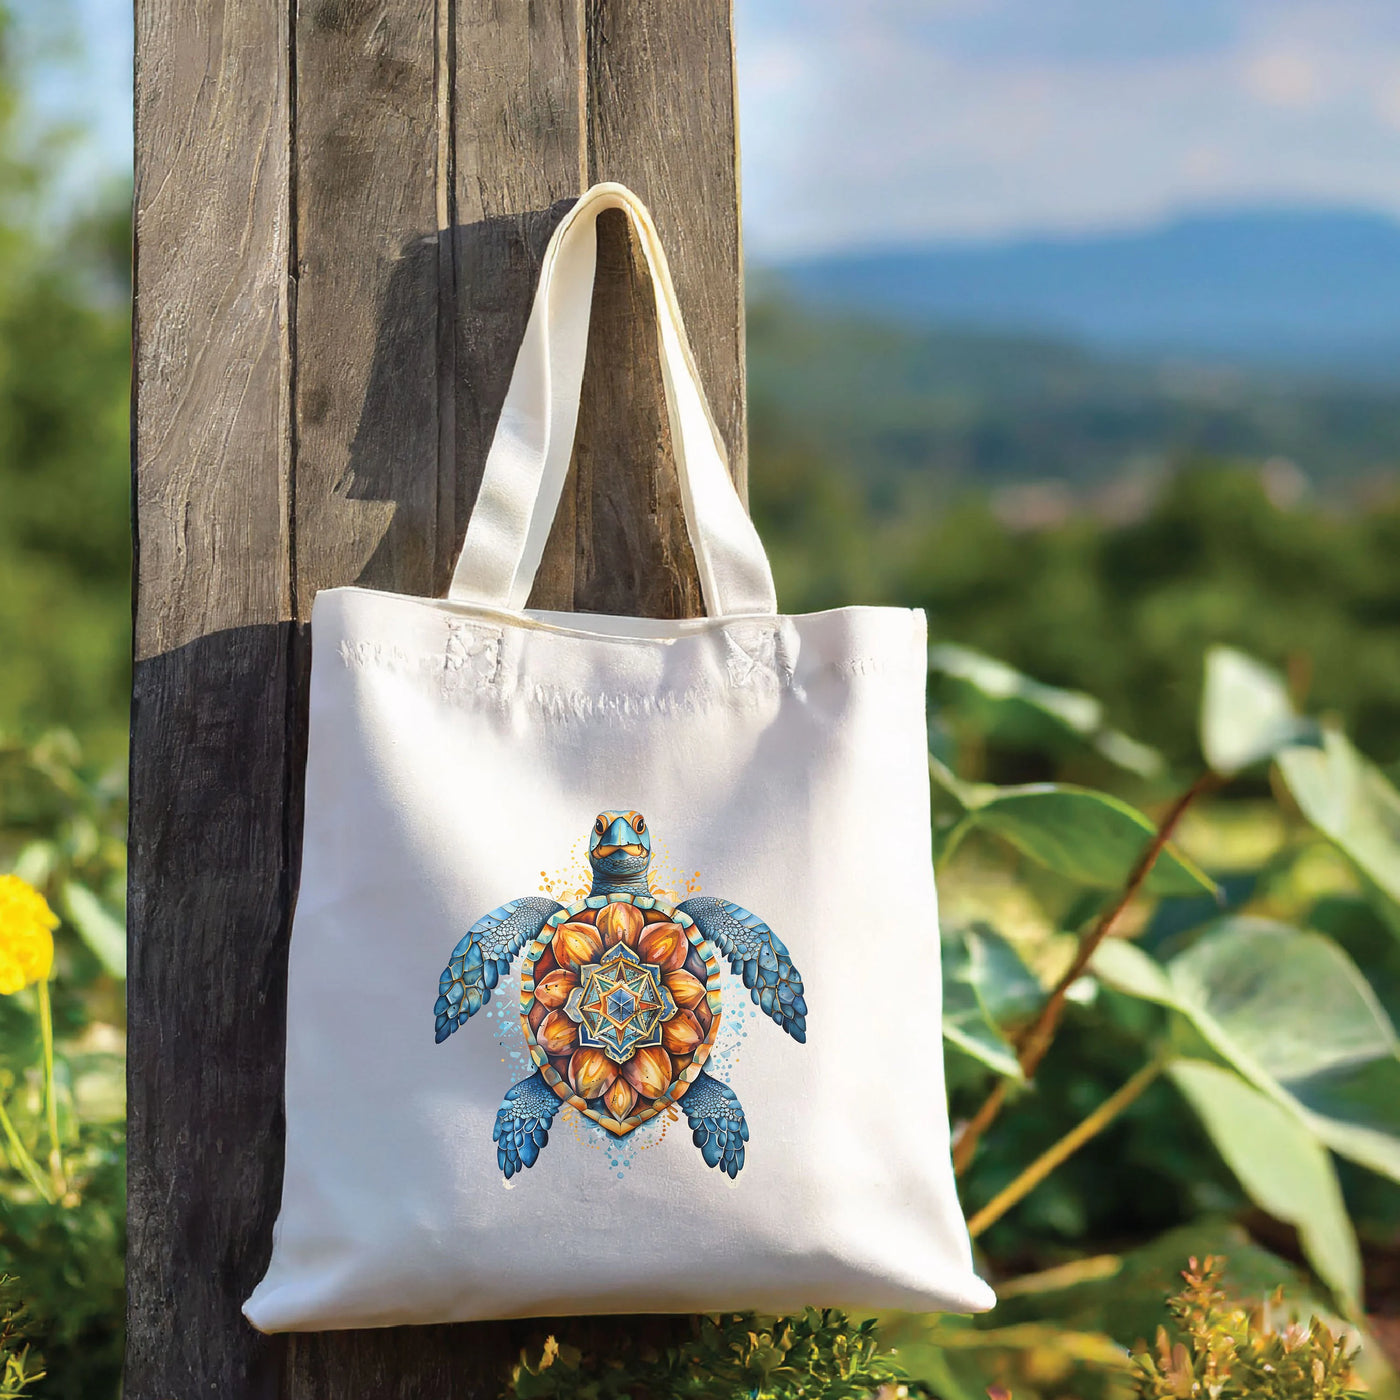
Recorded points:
(614,976)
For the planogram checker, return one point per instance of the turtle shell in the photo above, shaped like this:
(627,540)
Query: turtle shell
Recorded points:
(620,1004)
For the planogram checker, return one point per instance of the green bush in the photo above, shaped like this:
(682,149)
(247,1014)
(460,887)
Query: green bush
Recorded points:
(818,1356)
(1122,611)
(62,1066)
(1234,1353)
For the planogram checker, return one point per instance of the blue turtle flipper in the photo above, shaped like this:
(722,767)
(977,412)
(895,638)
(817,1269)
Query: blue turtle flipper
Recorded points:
(717,1119)
(483,956)
(757,955)
(522,1123)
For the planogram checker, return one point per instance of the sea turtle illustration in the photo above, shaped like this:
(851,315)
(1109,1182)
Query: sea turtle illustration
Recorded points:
(620,1000)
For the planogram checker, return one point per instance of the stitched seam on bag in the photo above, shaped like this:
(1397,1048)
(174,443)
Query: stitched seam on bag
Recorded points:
(555,702)
(759,658)
(359,655)
(861,666)
(472,656)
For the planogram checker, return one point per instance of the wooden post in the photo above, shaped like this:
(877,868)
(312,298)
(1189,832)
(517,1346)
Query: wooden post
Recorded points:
(340,207)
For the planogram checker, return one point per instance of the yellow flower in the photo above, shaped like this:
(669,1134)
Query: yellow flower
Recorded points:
(26,935)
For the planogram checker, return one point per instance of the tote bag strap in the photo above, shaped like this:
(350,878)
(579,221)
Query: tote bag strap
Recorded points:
(530,452)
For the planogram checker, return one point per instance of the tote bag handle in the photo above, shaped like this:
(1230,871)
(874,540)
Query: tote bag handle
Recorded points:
(529,455)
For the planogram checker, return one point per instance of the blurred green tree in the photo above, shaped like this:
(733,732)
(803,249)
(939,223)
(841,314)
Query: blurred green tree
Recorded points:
(64,475)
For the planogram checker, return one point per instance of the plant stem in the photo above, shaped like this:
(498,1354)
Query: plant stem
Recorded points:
(60,1181)
(1035,1040)
(26,1162)
(1032,1044)
(1067,1146)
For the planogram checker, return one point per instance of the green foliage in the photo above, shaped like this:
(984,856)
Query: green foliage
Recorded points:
(1092,838)
(1119,609)
(1281,1166)
(21,1369)
(986,987)
(1233,1353)
(1246,713)
(818,1356)
(1269,1002)
(62,829)
(65,553)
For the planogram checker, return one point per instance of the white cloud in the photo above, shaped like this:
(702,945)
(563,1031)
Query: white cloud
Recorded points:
(1283,79)
(877,121)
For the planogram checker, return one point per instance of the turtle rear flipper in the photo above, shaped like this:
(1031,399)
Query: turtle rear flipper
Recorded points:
(714,1112)
(523,1122)
(483,957)
(759,957)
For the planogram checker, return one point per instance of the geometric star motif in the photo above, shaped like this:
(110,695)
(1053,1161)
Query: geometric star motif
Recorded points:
(620,1004)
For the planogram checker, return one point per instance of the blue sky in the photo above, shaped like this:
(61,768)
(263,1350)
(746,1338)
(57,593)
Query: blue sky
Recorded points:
(878,121)
(903,121)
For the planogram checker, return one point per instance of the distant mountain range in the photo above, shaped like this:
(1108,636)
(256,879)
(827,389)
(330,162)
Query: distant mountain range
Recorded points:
(1317,290)
(895,406)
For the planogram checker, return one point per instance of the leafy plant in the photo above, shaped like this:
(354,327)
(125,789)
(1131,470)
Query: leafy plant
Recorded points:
(62,1093)
(1221,1351)
(818,1356)
(21,1369)
(1269,1033)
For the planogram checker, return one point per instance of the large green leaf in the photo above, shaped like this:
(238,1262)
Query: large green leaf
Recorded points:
(101,929)
(1246,715)
(1006,704)
(1125,966)
(1281,1166)
(1089,837)
(1292,1013)
(967,795)
(1350,801)
(985,987)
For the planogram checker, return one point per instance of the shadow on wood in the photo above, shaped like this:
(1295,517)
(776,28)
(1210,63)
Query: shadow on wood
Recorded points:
(619,543)
(215,840)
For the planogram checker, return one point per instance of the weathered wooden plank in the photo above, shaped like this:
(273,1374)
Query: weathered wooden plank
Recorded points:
(519,145)
(211,859)
(619,541)
(211,191)
(661,119)
(369,269)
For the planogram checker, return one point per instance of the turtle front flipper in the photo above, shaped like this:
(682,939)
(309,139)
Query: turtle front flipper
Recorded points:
(522,1123)
(483,957)
(757,955)
(714,1112)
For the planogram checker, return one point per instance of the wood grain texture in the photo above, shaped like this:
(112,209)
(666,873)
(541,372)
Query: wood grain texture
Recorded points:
(341,207)
(619,541)
(210,212)
(212,767)
(367,299)
(519,144)
(661,119)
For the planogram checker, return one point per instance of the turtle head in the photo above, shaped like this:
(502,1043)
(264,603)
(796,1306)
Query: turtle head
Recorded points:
(619,846)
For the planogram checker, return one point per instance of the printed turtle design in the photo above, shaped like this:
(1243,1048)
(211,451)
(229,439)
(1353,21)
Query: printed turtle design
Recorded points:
(620,1000)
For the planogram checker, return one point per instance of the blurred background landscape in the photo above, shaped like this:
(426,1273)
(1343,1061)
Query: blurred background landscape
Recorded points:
(1093,403)
(1075,323)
